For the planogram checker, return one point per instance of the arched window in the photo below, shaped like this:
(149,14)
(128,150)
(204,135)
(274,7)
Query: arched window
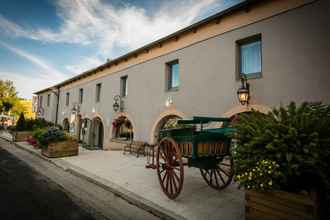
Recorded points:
(123,129)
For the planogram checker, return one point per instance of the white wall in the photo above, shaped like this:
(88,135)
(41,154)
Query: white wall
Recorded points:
(295,67)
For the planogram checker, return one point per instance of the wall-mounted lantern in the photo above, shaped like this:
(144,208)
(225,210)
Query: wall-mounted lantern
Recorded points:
(117,103)
(75,108)
(243,93)
(169,101)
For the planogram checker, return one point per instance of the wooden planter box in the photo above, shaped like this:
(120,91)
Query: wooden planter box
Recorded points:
(19,136)
(61,149)
(278,205)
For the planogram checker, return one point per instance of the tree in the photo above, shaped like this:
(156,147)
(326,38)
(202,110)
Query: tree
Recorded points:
(9,100)
(21,124)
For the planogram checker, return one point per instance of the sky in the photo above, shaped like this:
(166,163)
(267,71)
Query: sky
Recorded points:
(43,42)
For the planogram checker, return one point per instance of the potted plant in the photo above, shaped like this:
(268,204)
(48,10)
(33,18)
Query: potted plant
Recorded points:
(57,143)
(20,132)
(282,161)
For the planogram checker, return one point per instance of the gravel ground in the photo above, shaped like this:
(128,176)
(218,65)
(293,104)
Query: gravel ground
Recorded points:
(25,194)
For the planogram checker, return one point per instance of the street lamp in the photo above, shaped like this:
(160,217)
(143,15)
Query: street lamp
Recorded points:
(117,103)
(243,93)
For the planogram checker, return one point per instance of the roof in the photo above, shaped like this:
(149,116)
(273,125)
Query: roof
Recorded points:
(150,45)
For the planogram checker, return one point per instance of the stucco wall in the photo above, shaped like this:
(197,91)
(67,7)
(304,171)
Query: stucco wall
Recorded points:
(295,66)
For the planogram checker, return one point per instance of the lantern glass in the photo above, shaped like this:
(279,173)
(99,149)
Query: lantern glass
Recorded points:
(243,96)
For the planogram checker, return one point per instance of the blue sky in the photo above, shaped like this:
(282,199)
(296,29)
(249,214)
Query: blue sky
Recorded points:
(43,42)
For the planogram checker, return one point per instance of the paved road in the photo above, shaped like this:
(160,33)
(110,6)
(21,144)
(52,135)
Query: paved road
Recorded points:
(28,191)
(25,194)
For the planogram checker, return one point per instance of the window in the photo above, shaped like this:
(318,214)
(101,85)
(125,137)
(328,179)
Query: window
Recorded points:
(98,92)
(40,101)
(81,95)
(123,86)
(172,75)
(48,100)
(250,56)
(67,100)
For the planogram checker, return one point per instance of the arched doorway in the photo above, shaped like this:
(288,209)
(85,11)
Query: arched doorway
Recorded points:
(85,133)
(122,129)
(97,133)
(66,125)
(79,126)
(169,121)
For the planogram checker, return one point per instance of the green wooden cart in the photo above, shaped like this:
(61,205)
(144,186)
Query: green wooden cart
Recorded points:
(206,149)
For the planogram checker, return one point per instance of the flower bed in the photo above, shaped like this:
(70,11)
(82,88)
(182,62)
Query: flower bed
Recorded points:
(286,152)
(56,143)
(61,149)
(19,136)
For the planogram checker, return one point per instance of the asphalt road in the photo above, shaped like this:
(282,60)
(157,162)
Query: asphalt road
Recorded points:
(33,188)
(25,194)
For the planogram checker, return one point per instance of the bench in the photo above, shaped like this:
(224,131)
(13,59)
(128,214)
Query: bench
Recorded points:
(137,147)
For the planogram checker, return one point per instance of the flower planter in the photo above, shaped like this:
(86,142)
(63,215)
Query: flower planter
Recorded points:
(61,149)
(278,205)
(19,136)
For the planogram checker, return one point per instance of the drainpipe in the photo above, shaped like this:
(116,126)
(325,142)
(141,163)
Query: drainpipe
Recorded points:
(57,104)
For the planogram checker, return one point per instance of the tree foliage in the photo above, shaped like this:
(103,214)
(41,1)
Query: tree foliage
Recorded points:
(9,100)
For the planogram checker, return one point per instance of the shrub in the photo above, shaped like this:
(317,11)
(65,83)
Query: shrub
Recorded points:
(52,135)
(21,124)
(260,177)
(295,138)
(38,132)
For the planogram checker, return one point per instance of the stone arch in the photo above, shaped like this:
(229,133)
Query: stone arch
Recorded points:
(85,133)
(66,124)
(97,133)
(123,118)
(240,109)
(78,127)
(160,121)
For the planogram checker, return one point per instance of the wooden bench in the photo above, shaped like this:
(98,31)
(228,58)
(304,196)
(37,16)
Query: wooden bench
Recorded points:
(137,147)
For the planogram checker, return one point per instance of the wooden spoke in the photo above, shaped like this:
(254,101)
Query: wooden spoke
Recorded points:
(225,164)
(223,181)
(172,181)
(223,171)
(213,176)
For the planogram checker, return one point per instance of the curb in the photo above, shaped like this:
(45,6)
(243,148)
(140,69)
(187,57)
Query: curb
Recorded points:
(128,196)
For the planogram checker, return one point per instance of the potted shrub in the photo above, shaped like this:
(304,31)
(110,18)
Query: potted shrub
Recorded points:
(20,132)
(282,161)
(57,143)
(36,135)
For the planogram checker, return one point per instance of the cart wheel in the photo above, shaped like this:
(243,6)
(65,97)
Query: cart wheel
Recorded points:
(221,176)
(169,167)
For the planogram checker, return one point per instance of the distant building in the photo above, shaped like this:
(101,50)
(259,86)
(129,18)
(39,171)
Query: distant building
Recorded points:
(281,47)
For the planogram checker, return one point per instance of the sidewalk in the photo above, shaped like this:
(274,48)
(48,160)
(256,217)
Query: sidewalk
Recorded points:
(126,176)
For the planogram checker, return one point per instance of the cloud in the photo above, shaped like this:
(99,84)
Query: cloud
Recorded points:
(110,27)
(25,85)
(50,71)
(86,63)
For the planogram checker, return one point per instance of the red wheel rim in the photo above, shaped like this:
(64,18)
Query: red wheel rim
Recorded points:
(220,176)
(169,167)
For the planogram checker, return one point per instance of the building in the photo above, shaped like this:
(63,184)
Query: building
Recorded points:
(282,47)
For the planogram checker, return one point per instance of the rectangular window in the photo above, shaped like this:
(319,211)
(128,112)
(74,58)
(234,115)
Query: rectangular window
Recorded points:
(98,92)
(173,81)
(123,86)
(67,100)
(81,95)
(250,56)
(40,101)
(48,100)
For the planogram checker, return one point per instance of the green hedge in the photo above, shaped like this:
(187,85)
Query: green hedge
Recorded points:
(297,138)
